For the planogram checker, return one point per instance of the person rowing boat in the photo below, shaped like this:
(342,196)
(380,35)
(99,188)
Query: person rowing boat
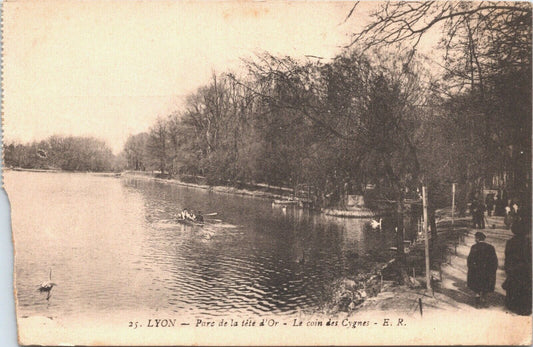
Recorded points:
(186,215)
(191,216)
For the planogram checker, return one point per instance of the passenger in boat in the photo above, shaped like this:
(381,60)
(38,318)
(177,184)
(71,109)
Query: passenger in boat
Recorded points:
(190,215)
(186,215)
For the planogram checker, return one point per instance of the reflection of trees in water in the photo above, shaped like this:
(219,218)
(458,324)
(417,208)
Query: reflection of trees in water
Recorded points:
(272,260)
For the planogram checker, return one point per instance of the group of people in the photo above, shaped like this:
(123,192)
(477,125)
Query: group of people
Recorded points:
(482,265)
(511,214)
(492,204)
(185,214)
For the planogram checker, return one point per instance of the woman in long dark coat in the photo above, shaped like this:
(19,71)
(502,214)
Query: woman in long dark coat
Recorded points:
(482,265)
(518,270)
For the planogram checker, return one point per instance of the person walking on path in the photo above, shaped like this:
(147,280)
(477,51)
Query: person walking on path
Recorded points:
(489,202)
(518,270)
(478,214)
(474,206)
(482,264)
(499,204)
(481,215)
(512,214)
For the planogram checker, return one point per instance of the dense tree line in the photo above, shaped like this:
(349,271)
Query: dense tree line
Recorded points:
(480,109)
(328,127)
(59,152)
(375,118)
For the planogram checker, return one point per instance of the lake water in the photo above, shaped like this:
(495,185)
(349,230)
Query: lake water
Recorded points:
(113,245)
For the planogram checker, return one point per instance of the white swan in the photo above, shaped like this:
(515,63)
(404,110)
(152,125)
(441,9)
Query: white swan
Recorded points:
(46,286)
(375,224)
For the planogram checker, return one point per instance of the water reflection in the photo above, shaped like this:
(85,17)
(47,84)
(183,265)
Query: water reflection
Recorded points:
(260,258)
(115,244)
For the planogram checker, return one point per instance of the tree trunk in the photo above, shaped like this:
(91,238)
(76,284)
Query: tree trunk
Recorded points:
(400,253)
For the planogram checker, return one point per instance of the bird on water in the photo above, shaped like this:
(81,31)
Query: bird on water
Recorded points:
(46,286)
(375,224)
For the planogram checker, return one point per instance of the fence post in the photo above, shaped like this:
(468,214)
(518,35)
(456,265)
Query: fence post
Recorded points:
(426,236)
(453,203)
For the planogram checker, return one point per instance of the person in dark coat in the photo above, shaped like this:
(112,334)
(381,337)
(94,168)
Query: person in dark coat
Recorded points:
(480,217)
(478,213)
(482,265)
(474,206)
(500,206)
(518,270)
(489,202)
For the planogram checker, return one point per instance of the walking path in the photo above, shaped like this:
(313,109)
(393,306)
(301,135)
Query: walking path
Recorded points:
(455,270)
(451,292)
(449,316)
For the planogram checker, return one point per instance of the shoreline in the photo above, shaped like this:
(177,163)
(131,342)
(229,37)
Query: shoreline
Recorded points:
(96,173)
(261,192)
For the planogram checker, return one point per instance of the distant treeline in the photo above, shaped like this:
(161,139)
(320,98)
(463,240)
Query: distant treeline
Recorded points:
(62,152)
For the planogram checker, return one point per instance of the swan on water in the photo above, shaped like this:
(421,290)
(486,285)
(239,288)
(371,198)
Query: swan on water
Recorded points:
(375,224)
(46,286)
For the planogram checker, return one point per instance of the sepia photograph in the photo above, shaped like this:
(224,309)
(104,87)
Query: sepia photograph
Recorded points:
(269,172)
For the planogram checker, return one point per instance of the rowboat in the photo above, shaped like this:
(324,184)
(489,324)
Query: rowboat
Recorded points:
(190,222)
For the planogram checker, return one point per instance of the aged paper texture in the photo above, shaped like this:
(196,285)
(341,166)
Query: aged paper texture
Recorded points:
(269,173)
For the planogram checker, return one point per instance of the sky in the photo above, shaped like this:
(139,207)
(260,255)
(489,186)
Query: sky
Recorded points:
(109,69)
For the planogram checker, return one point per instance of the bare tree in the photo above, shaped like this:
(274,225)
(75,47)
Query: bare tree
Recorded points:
(486,84)
(135,151)
(156,146)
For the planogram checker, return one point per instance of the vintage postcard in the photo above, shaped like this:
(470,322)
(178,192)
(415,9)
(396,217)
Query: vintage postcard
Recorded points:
(269,172)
